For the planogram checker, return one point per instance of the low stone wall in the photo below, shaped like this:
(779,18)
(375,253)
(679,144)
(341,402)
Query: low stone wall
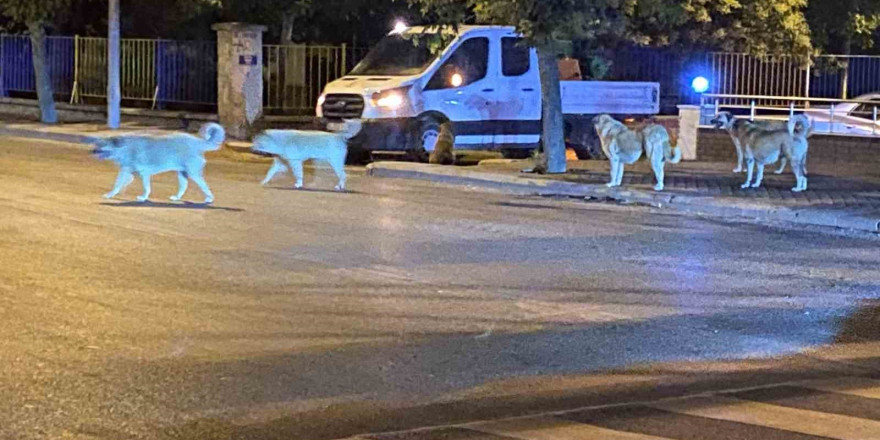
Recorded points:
(828,152)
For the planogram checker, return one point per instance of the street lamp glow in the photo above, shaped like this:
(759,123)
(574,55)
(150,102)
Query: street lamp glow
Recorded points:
(399,27)
(700,84)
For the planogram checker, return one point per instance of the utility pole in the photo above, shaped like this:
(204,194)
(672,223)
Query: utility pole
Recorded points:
(114,94)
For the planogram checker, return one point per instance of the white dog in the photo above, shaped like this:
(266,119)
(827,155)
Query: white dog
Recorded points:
(292,147)
(624,146)
(147,155)
(764,147)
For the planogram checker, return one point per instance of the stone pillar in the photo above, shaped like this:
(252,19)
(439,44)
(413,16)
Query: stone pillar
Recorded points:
(688,124)
(239,76)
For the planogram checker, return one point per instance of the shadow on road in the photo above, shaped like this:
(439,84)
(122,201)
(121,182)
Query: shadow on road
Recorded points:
(553,370)
(171,205)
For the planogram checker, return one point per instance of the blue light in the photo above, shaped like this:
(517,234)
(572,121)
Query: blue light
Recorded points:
(700,84)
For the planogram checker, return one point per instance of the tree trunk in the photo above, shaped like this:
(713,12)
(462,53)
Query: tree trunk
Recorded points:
(45,94)
(287,27)
(847,50)
(553,135)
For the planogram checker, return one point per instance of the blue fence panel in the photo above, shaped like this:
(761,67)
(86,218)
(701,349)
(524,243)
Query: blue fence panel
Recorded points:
(672,69)
(59,61)
(186,71)
(864,76)
(17,64)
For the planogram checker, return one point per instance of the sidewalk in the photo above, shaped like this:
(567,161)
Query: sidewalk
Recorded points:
(834,198)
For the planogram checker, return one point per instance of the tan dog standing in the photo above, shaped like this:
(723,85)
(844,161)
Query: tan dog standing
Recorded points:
(624,146)
(737,129)
(764,147)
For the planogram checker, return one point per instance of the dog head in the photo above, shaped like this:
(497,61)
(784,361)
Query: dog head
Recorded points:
(800,125)
(105,148)
(723,120)
(607,126)
(264,145)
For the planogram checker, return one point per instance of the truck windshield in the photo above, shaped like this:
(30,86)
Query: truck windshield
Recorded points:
(400,55)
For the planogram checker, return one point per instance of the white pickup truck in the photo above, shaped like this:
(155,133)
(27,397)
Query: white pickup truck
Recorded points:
(484,84)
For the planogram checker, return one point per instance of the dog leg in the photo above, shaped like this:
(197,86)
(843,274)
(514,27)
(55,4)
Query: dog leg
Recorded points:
(145,180)
(296,166)
(277,167)
(200,182)
(182,184)
(782,166)
(759,176)
(739,156)
(613,173)
(619,179)
(798,168)
(339,168)
(658,173)
(123,179)
(750,166)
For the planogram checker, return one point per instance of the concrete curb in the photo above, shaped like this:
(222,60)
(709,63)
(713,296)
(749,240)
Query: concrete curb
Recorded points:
(700,205)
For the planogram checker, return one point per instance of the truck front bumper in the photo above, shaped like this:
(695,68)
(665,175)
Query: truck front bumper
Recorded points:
(382,134)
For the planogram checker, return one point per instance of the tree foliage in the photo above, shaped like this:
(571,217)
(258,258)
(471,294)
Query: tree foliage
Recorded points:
(760,27)
(844,26)
(28,11)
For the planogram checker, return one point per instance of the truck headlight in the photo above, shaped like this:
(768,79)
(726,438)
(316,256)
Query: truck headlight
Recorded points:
(390,99)
(321,99)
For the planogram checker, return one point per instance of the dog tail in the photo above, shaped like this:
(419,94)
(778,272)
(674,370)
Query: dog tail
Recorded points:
(214,134)
(673,154)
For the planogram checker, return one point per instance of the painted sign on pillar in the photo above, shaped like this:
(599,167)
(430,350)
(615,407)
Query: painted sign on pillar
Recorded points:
(239,76)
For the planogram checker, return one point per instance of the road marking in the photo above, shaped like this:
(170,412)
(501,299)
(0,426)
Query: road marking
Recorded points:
(549,428)
(774,416)
(856,386)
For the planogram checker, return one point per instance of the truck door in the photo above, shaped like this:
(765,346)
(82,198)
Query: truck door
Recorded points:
(461,89)
(517,103)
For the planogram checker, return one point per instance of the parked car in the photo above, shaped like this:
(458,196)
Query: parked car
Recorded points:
(851,118)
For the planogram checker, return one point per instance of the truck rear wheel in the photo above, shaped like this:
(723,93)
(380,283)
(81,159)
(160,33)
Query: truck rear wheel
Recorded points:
(517,153)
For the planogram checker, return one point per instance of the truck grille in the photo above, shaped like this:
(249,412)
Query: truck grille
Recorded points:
(343,106)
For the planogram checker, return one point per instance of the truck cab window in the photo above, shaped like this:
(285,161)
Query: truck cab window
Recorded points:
(514,56)
(467,64)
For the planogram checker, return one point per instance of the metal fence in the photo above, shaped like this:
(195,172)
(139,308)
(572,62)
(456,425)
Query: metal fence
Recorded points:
(160,72)
(157,71)
(667,67)
(295,75)
(830,76)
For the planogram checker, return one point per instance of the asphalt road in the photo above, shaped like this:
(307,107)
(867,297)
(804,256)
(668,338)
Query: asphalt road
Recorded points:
(313,314)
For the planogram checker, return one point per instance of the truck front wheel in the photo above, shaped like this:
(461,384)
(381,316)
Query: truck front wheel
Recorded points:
(432,142)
